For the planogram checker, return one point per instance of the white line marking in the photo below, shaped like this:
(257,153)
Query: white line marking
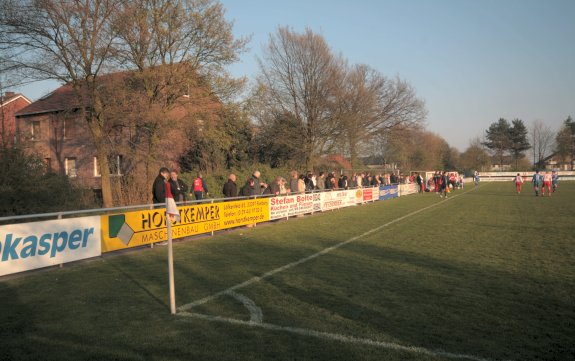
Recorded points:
(337,337)
(256,279)
(256,315)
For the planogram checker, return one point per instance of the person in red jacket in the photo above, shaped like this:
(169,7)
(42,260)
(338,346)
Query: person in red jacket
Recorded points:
(518,183)
(547,178)
(199,187)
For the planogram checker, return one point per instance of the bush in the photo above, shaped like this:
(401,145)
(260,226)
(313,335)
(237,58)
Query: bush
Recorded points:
(216,180)
(25,187)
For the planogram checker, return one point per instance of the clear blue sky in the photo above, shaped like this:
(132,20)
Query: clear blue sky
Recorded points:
(472,61)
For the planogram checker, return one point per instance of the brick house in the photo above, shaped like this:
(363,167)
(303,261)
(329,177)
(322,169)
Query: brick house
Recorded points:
(54,128)
(10,104)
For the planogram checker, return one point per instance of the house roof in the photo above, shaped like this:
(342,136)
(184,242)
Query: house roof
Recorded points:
(11,97)
(62,98)
(66,98)
(336,158)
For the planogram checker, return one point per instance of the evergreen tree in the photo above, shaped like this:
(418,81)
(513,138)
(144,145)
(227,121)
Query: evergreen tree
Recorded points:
(565,141)
(498,139)
(518,142)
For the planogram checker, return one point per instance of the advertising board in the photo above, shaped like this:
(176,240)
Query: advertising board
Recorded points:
(133,229)
(35,245)
(388,192)
(292,205)
(405,189)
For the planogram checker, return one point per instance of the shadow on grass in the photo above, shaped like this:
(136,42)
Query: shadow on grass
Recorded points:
(437,304)
(122,269)
(16,323)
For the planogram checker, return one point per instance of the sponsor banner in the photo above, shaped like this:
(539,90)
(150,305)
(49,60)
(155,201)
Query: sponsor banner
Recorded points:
(358,193)
(368,194)
(405,189)
(133,229)
(288,206)
(388,192)
(34,245)
(336,199)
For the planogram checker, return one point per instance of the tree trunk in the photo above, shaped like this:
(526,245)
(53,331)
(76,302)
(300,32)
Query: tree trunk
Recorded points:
(102,154)
(102,149)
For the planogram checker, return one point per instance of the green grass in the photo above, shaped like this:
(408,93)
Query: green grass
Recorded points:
(488,273)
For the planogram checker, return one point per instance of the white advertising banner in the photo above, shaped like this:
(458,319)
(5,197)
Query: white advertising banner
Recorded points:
(34,245)
(405,189)
(288,206)
(334,200)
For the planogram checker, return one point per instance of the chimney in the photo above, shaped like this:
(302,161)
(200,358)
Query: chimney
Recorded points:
(8,95)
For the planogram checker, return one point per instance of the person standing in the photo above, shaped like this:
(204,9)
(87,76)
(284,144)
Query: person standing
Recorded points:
(230,188)
(554,180)
(259,186)
(179,187)
(293,180)
(199,187)
(309,183)
(159,186)
(278,186)
(419,181)
(546,184)
(476,178)
(248,189)
(444,185)
(518,183)
(359,180)
(537,181)
(301,183)
(436,181)
(320,183)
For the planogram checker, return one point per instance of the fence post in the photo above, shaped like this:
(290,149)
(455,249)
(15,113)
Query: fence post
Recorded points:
(212,202)
(60,217)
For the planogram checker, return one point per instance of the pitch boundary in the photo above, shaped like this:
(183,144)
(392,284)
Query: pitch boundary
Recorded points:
(334,337)
(256,279)
(257,319)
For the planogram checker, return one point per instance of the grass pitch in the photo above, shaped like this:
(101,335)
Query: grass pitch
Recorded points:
(484,275)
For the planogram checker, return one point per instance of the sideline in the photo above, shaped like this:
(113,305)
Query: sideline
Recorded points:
(256,317)
(256,279)
(334,337)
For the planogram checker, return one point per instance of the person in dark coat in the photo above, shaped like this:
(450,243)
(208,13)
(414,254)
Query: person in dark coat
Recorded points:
(249,188)
(259,185)
(179,187)
(159,187)
(230,187)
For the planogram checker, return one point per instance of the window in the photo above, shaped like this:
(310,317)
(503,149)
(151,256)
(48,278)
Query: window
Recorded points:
(114,164)
(70,164)
(48,165)
(68,128)
(36,134)
(96,168)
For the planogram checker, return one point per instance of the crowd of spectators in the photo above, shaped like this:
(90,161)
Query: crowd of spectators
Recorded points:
(297,183)
(307,182)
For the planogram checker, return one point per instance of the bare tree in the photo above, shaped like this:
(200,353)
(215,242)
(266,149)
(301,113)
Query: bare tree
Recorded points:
(70,41)
(542,138)
(178,50)
(475,157)
(169,48)
(298,76)
(369,103)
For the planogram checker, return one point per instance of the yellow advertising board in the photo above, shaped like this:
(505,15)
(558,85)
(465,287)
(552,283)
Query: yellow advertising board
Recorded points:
(133,229)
